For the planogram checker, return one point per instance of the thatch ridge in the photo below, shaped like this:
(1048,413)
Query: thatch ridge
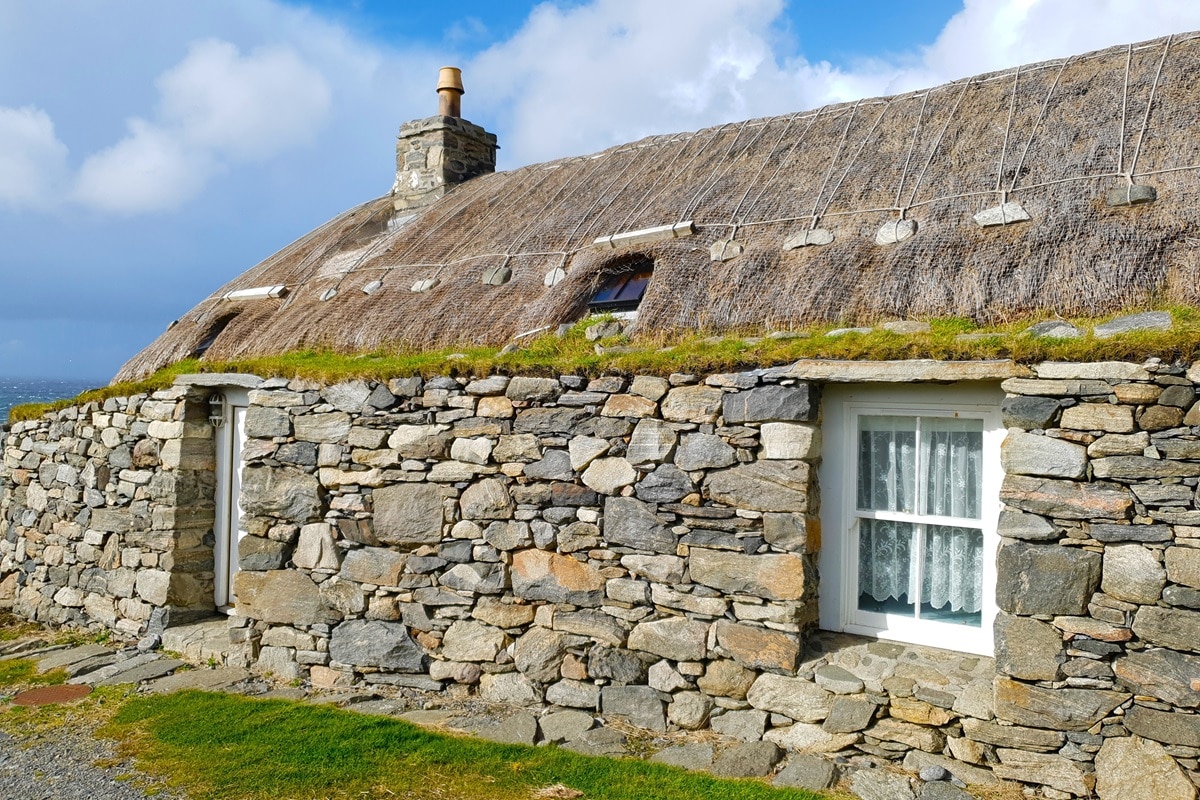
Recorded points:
(1054,136)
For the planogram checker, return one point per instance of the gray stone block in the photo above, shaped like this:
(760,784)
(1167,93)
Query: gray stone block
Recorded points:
(408,514)
(880,784)
(376,644)
(695,756)
(806,771)
(258,554)
(1145,321)
(640,705)
(1166,674)
(748,760)
(1028,649)
(630,522)
(1169,627)
(1028,412)
(1029,527)
(772,404)
(1045,579)
(1164,726)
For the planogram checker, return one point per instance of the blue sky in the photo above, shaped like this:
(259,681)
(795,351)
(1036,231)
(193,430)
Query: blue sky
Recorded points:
(150,150)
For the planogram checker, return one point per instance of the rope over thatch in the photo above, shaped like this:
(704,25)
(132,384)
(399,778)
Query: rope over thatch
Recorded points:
(1054,138)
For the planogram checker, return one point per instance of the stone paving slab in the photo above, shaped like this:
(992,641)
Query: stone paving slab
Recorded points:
(379,707)
(64,658)
(212,680)
(426,719)
(199,641)
(90,665)
(121,663)
(144,672)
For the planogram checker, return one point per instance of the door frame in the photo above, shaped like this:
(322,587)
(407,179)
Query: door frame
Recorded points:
(227,529)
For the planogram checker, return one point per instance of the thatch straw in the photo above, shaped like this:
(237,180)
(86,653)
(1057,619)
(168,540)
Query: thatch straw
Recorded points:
(1053,136)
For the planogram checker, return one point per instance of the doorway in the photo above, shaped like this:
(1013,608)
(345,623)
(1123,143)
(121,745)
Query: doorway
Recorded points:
(231,439)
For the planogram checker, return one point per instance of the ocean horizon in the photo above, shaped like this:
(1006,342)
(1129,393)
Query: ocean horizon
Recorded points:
(18,391)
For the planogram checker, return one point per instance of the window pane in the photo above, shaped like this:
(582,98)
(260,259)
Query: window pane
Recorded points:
(635,286)
(952,452)
(885,570)
(609,290)
(887,463)
(952,575)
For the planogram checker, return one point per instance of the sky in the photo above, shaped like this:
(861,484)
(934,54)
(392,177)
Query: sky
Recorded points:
(151,150)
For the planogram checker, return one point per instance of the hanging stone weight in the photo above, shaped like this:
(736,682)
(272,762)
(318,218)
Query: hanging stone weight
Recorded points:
(496,276)
(894,231)
(1004,214)
(725,250)
(1133,195)
(816,237)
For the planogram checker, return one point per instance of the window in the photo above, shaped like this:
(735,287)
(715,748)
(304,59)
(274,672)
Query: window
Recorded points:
(623,291)
(215,329)
(910,479)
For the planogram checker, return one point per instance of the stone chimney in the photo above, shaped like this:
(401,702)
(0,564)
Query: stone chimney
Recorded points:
(440,152)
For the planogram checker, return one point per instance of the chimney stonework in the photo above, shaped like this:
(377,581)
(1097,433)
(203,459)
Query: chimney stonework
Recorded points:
(439,152)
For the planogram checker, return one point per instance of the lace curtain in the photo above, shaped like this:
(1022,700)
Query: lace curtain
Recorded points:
(950,460)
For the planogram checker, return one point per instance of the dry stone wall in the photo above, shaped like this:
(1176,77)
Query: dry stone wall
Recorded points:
(107,513)
(640,546)
(1098,639)
(646,548)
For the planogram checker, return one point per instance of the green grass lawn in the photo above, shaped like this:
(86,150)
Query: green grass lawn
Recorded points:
(228,747)
(217,746)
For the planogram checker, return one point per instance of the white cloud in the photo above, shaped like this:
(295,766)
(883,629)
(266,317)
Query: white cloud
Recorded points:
(32,159)
(246,107)
(149,170)
(217,107)
(582,77)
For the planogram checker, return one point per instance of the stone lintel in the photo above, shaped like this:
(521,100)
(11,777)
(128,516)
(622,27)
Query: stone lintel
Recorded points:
(239,380)
(912,370)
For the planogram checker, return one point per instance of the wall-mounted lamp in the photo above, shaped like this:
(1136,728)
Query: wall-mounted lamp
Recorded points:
(216,409)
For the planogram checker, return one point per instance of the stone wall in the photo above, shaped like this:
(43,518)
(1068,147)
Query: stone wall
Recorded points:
(1099,580)
(107,512)
(646,548)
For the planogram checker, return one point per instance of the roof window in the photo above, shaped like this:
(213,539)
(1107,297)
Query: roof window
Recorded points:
(623,291)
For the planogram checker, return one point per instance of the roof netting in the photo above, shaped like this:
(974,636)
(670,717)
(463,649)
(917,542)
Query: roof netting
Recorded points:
(1053,137)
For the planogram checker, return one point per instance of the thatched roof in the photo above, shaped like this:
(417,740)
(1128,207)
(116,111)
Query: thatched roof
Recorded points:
(1054,137)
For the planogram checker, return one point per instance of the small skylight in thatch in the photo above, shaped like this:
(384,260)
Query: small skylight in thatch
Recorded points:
(328,294)
(215,329)
(816,237)
(425,285)
(1132,195)
(372,287)
(496,276)
(623,291)
(896,230)
(1004,214)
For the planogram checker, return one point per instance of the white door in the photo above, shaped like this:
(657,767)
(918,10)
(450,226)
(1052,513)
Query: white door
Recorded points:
(231,438)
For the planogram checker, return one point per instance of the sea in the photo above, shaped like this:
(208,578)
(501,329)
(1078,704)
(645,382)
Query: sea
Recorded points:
(16,391)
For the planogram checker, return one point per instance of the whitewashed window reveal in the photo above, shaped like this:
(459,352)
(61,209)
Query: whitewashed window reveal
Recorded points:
(910,480)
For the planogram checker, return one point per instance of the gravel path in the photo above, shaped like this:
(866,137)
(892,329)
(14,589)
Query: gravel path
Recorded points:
(62,765)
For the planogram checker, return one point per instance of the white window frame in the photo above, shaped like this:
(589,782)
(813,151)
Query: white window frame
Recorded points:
(842,405)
